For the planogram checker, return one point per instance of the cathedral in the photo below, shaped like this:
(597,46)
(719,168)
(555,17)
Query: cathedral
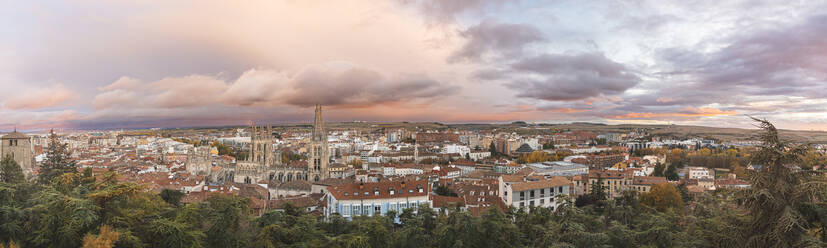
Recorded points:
(264,162)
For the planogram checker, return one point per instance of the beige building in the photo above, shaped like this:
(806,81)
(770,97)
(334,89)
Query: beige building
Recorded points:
(614,181)
(19,147)
(524,192)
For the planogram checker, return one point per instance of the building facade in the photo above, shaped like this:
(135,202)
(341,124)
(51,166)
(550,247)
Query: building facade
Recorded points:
(524,192)
(369,199)
(19,147)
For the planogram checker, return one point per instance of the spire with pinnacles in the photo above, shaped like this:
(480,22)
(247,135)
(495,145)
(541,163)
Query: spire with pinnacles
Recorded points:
(319,133)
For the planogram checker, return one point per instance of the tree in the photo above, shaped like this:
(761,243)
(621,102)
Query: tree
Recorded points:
(10,171)
(598,192)
(106,238)
(171,196)
(493,150)
(662,197)
(225,215)
(444,191)
(58,160)
(778,194)
(356,163)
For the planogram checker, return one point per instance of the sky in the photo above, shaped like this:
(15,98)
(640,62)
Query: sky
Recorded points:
(137,64)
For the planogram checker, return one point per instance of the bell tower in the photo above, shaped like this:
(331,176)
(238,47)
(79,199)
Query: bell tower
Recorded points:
(318,150)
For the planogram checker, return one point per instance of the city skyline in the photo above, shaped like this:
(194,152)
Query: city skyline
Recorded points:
(131,64)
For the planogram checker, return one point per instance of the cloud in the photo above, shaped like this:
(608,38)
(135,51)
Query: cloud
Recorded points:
(562,77)
(497,39)
(172,92)
(32,99)
(688,112)
(786,60)
(344,84)
(333,84)
(447,10)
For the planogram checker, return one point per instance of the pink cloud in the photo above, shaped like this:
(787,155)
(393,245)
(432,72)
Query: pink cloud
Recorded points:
(53,96)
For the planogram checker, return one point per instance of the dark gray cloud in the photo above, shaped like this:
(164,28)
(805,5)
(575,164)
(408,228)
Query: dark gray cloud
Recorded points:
(561,77)
(788,60)
(497,39)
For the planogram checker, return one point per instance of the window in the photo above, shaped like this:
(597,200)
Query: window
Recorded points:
(346,209)
(542,201)
(356,209)
(365,210)
(561,189)
(551,190)
(531,203)
(531,194)
(542,192)
(522,195)
(522,204)
(377,209)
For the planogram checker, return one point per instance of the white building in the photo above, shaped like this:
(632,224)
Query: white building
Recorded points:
(401,170)
(700,173)
(479,155)
(559,168)
(523,192)
(453,148)
(592,149)
(369,199)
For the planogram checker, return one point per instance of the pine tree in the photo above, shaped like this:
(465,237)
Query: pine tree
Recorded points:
(598,193)
(779,194)
(492,149)
(57,161)
(10,171)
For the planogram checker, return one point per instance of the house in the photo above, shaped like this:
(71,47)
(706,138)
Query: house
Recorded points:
(614,181)
(700,173)
(369,199)
(524,192)
(644,184)
(731,183)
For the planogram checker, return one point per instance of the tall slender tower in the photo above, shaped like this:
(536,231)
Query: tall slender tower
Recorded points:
(319,154)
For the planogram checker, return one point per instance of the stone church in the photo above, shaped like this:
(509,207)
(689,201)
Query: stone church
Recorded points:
(19,147)
(264,162)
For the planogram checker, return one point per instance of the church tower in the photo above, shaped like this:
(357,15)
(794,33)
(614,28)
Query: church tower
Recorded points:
(319,154)
(261,145)
(19,147)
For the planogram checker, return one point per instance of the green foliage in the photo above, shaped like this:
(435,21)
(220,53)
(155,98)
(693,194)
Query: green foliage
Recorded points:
(780,197)
(444,191)
(171,196)
(57,161)
(10,171)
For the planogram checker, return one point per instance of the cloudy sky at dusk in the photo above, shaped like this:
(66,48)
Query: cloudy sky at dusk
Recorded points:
(130,63)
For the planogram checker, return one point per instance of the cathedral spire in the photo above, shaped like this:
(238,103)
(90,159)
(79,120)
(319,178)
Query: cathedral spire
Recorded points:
(318,125)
